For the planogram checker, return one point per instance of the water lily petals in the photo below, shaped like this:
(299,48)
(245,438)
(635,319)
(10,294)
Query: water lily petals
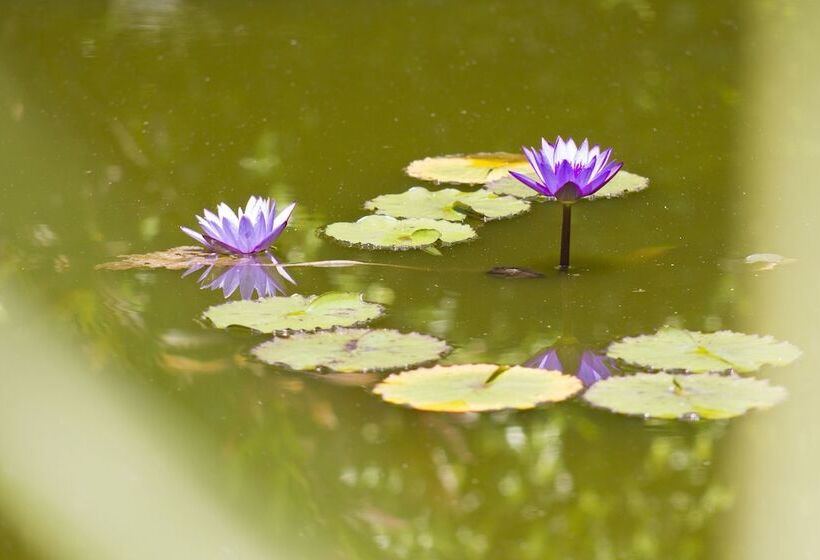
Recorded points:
(198,237)
(619,185)
(567,163)
(538,188)
(248,230)
(582,156)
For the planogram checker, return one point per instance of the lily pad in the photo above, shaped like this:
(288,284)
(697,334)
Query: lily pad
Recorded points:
(176,258)
(295,313)
(623,183)
(511,186)
(467,169)
(476,387)
(386,232)
(491,206)
(418,202)
(352,350)
(447,204)
(696,352)
(686,397)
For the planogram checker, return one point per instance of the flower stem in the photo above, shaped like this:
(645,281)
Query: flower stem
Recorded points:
(565,230)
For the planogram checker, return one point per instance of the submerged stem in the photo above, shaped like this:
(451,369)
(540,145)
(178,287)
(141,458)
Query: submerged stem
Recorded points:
(565,231)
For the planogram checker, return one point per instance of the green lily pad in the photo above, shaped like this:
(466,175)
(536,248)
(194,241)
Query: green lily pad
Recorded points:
(696,352)
(469,169)
(686,397)
(386,232)
(476,387)
(447,204)
(295,313)
(491,206)
(510,186)
(418,202)
(622,184)
(349,350)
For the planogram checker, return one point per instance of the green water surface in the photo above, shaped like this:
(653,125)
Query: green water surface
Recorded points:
(122,119)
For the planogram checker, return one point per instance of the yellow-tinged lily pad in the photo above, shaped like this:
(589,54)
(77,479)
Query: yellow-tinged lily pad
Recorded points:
(447,204)
(471,169)
(476,387)
(697,352)
(295,313)
(386,232)
(352,350)
(685,397)
(622,184)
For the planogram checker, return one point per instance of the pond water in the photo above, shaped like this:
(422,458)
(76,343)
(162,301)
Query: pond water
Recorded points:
(122,120)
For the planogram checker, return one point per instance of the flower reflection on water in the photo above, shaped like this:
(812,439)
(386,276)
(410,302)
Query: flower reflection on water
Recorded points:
(249,275)
(589,367)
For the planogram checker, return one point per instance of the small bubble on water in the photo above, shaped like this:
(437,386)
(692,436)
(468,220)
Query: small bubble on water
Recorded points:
(690,417)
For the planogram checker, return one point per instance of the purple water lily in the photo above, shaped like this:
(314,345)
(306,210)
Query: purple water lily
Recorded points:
(246,231)
(249,275)
(568,172)
(590,369)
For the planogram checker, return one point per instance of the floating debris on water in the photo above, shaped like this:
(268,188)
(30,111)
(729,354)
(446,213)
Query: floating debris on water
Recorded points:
(513,272)
(767,261)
